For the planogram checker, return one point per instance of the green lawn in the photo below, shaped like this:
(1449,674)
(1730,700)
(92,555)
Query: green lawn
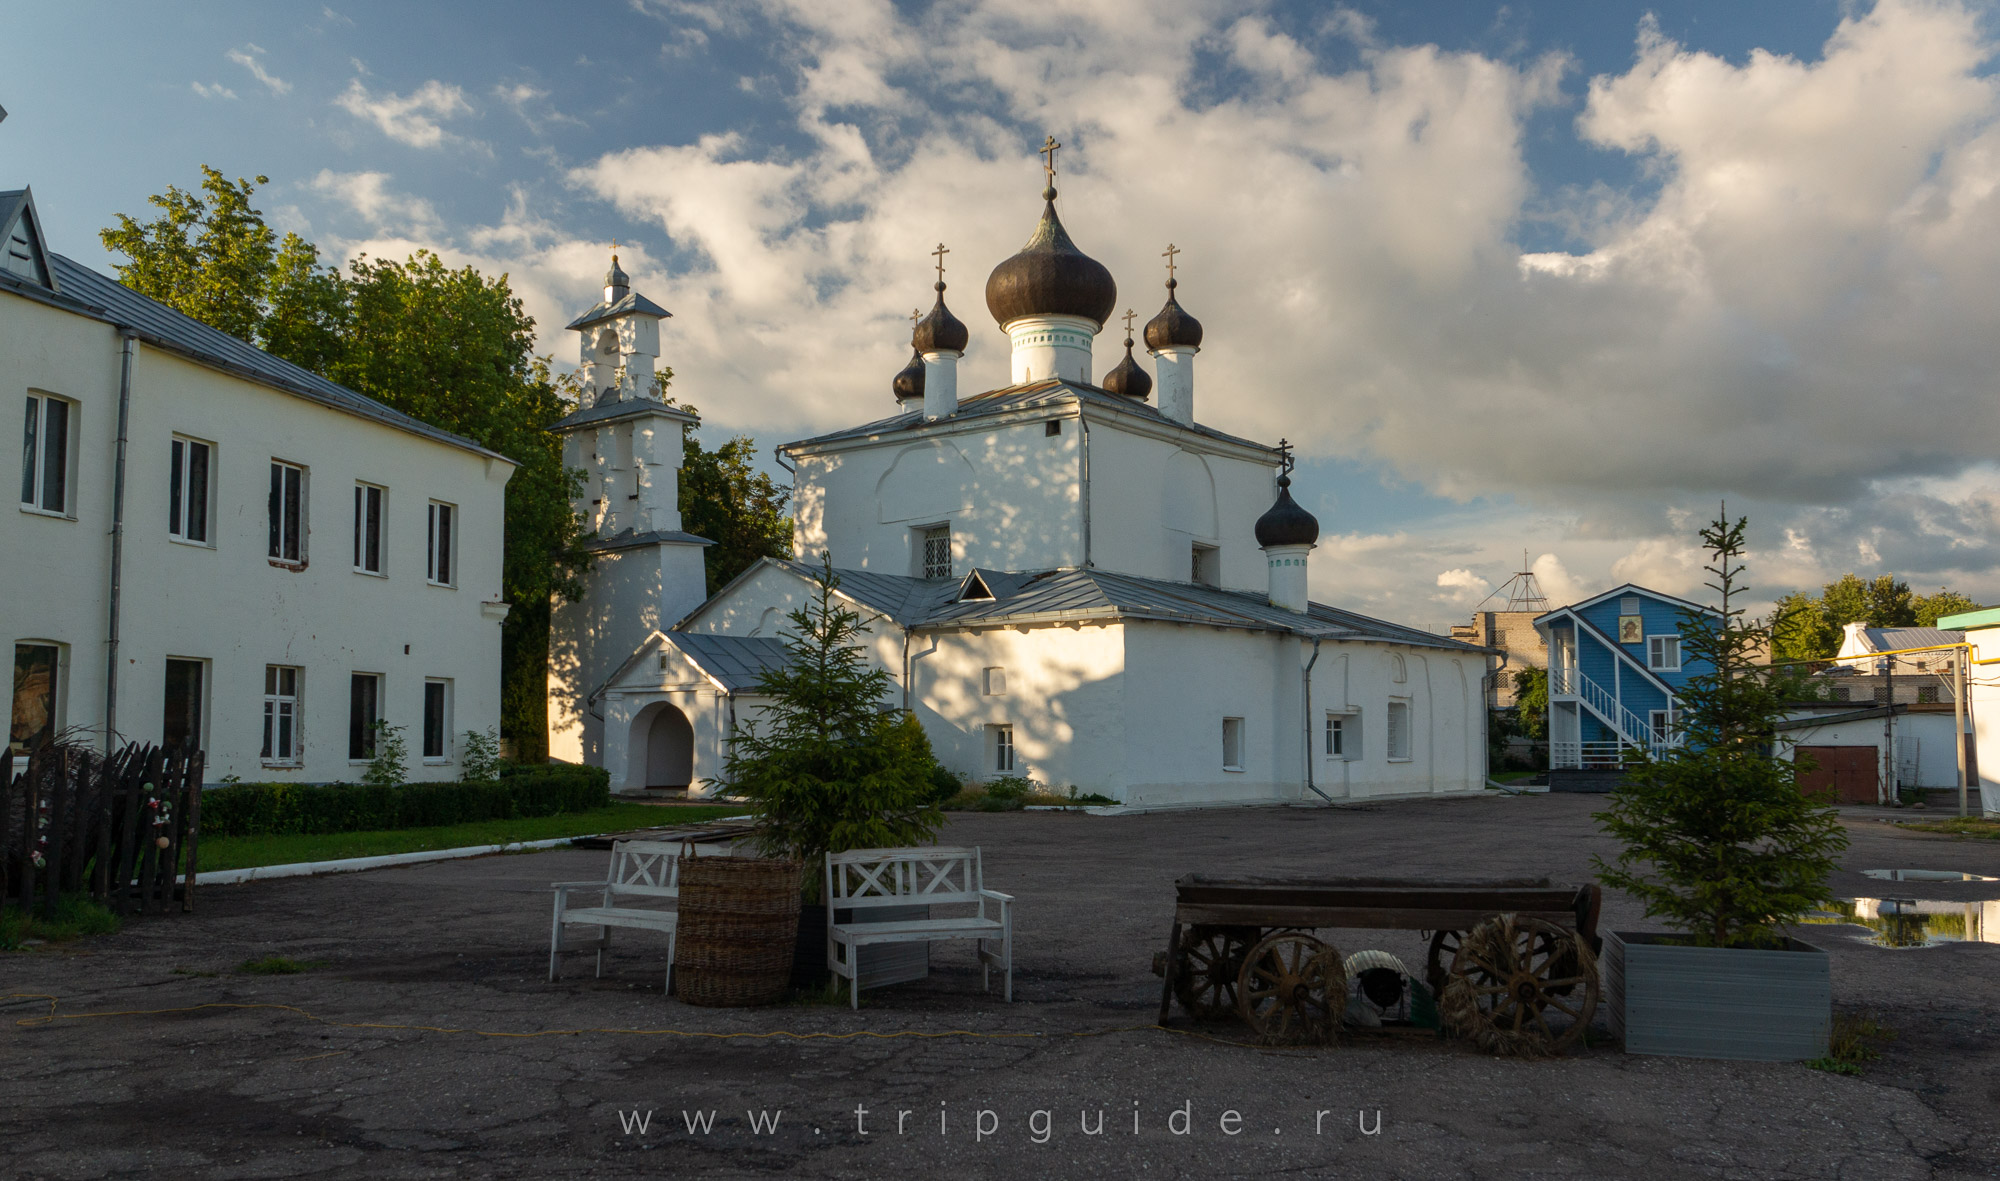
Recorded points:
(247,852)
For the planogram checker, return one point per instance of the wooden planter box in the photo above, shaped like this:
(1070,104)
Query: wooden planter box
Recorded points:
(1715,1002)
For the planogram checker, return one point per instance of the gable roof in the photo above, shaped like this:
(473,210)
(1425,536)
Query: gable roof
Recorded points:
(26,256)
(86,293)
(1897,639)
(1626,589)
(1051,392)
(632,304)
(735,662)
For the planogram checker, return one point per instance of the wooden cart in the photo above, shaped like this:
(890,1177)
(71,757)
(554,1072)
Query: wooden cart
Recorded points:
(1513,963)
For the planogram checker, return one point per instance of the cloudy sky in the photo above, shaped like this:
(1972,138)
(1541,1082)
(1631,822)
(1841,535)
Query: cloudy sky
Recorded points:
(1543,277)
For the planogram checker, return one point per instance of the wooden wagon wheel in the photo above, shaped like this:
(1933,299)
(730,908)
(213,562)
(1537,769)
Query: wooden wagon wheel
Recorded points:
(1293,988)
(1211,960)
(1510,975)
(1444,949)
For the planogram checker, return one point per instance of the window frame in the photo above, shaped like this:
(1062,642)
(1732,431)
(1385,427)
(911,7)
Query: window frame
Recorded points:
(922,537)
(203,674)
(284,525)
(1653,639)
(363,493)
(441,551)
(1389,744)
(58,689)
(1002,756)
(181,501)
(1232,744)
(1205,564)
(444,686)
(36,453)
(1660,723)
(361,734)
(1348,723)
(275,699)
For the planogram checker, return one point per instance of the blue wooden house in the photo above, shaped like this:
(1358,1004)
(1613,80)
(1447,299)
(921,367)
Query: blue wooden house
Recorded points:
(1616,669)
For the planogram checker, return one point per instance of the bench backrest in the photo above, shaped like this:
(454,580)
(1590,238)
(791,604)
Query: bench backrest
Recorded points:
(651,868)
(902,877)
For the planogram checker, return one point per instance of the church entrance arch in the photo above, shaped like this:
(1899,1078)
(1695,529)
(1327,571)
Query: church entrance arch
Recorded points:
(661,750)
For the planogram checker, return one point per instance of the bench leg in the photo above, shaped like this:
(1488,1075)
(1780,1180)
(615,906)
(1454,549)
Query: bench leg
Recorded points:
(603,941)
(555,937)
(670,965)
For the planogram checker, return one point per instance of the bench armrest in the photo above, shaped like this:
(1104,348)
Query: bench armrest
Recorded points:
(599,884)
(997,896)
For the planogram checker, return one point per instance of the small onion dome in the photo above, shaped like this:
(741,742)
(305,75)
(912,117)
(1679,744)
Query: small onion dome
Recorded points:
(940,332)
(1285,523)
(1173,327)
(909,383)
(1128,378)
(616,281)
(1050,277)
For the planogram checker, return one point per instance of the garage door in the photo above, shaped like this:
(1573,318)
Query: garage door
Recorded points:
(1850,772)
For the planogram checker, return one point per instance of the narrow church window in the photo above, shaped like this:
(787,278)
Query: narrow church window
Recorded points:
(1207,565)
(1003,749)
(934,551)
(1399,731)
(1232,744)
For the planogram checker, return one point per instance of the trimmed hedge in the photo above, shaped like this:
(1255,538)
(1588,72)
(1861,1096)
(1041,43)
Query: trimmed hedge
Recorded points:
(287,809)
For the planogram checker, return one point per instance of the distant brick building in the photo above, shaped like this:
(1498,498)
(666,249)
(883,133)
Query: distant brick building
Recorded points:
(1513,632)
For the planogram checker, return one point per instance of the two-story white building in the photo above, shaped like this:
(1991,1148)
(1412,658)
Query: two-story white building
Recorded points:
(216,547)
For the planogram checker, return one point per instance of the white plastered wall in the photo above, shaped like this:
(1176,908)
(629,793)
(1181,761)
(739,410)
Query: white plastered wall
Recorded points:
(225,603)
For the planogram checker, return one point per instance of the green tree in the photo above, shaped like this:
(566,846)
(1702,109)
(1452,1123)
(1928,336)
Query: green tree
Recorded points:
(727,500)
(1531,701)
(1931,608)
(1717,837)
(825,768)
(206,257)
(1800,631)
(1890,603)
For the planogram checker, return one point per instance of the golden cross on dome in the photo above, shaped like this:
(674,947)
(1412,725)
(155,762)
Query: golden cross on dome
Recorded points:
(915,315)
(1049,147)
(939,254)
(614,248)
(1285,456)
(1168,254)
(1130,316)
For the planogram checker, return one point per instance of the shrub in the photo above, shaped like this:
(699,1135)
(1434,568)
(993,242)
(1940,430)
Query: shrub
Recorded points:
(391,764)
(944,785)
(480,760)
(286,809)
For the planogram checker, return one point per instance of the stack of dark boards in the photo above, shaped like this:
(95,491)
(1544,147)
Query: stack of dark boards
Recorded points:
(122,826)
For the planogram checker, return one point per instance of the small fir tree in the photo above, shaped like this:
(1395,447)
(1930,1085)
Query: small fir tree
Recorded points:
(1718,839)
(825,768)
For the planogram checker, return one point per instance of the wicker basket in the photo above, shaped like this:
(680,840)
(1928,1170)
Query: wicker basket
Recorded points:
(738,929)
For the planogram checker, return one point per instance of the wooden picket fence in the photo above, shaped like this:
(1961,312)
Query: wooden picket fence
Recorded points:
(124,826)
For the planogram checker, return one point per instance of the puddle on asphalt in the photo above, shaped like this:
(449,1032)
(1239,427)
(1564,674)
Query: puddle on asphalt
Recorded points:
(1916,922)
(1925,875)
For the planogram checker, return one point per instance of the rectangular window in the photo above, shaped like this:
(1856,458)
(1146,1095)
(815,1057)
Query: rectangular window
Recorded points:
(995,682)
(1003,749)
(281,714)
(437,719)
(368,528)
(1663,653)
(934,552)
(1399,731)
(439,565)
(1207,565)
(180,727)
(1927,694)
(364,699)
(1232,744)
(288,512)
(45,454)
(1661,723)
(187,491)
(1336,736)
(1842,693)
(1881,694)
(36,698)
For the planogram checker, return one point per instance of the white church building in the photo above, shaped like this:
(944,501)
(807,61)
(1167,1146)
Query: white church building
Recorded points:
(1068,577)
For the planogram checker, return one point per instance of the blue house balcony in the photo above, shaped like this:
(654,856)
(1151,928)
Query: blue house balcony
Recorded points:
(1616,671)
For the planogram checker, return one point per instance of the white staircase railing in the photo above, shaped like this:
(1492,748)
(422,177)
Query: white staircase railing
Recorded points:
(1632,730)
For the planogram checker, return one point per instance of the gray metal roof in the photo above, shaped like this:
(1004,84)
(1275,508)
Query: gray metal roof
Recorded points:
(633,408)
(1895,639)
(907,601)
(86,292)
(736,661)
(1026,397)
(629,539)
(632,303)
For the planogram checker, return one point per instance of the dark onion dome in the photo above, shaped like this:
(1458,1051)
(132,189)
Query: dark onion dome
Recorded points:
(616,280)
(1050,277)
(1173,327)
(1285,523)
(940,332)
(1128,379)
(909,383)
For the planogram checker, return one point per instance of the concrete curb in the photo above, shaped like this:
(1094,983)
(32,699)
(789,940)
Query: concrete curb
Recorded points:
(301,869)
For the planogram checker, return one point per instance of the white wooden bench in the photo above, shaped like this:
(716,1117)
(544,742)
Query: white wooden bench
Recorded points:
(640,871)
(865,879)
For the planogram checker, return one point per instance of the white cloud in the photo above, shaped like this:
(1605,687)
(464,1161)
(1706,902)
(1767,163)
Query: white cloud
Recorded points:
(218,90)
(368,195)
(250,58)
(415,119)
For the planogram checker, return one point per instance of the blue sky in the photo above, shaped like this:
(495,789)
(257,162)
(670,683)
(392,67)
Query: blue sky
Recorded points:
(1553,276)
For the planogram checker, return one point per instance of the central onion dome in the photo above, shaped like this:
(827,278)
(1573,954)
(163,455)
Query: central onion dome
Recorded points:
(1050,277)
(940,332)
(1285,523)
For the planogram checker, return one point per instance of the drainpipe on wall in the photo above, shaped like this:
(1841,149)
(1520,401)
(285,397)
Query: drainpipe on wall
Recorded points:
(129,347)
(1307,677)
